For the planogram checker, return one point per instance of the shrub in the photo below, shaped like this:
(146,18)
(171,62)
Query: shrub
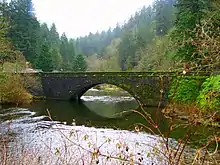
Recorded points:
(13,90)
(184,91)
(209,96)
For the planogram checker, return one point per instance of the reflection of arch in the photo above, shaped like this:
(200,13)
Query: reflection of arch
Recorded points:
(86,88)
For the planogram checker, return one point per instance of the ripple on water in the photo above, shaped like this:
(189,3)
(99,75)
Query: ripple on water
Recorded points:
(59,136)
(107,99)
(51,140)
(15,113)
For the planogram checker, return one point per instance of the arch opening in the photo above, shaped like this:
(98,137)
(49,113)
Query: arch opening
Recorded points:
(107,88)
(108,100)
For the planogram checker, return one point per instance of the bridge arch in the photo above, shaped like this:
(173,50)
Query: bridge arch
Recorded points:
(86,88)
(144,87)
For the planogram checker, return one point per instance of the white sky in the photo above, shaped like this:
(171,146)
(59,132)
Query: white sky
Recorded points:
(79,17)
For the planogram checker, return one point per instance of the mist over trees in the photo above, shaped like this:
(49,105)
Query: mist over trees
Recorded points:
(162,36)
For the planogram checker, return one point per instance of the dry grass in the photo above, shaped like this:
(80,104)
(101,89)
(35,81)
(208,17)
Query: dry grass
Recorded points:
(13,90)
(192,114)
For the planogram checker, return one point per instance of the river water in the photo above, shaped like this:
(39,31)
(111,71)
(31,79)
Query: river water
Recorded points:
(102,129)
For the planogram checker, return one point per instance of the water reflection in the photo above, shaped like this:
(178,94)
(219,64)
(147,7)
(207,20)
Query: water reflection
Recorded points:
(109,106)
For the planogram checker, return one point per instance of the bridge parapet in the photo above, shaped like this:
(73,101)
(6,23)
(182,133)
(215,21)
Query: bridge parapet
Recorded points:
(173,73)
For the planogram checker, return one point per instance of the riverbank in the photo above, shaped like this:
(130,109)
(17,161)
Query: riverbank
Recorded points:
(192,114)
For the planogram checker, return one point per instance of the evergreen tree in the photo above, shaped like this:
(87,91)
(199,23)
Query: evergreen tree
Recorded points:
(24,29)
(56,58)
(189,15)
(64,52)
(127,49)
(49,57)
(117,31)
(145,32)
(164,16)
(45,34)
(54,36)
(7,53)
(79,63)
(71,52)
(4,44)
(45,60)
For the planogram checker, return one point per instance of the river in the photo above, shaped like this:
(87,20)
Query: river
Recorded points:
(102,124)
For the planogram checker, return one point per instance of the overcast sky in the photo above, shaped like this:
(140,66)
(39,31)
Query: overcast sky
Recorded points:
(79,17)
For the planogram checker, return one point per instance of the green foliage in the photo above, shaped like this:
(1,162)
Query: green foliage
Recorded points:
(207,40)
(64,52)
(6,53)
(164,16)
(54,36)
(135,35)
(45,60)
(24,31)
(56,59)
(144,43)
(189,15)
(156,56)
(38,43)
(127,49)
(109,62)
(184,90)
(79,63)
(209,96)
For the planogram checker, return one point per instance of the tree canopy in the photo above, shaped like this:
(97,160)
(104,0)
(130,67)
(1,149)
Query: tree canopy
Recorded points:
(157,37)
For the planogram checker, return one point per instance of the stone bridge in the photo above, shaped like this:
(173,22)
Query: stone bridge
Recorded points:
(149,88)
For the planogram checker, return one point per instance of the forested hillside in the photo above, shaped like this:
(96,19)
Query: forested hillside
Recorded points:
(158,37)
(123,47)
